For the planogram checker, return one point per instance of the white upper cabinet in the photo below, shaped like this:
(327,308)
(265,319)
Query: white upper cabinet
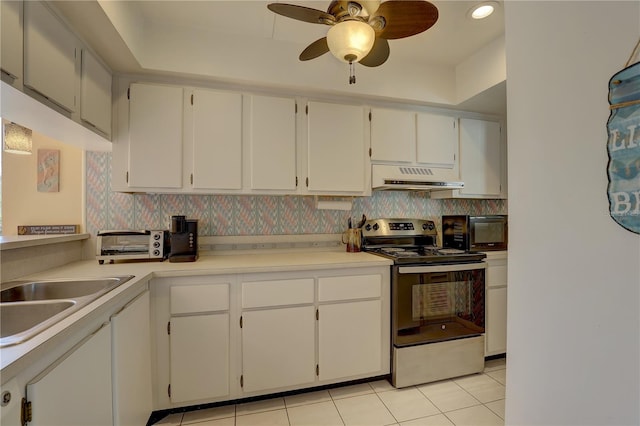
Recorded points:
(437,140)
(95,93)
(414,138)
(337,159)
(393,135)
(272,143)
(481,157)
(155,136)
(216,123)
(50,51)
(483,161)
(11,13)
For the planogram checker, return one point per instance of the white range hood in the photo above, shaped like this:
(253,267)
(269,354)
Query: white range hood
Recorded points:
(395,177)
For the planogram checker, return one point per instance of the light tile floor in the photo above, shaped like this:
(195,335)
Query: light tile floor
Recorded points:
(475,400)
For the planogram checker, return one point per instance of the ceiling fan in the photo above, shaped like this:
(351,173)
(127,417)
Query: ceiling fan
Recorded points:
(360,29)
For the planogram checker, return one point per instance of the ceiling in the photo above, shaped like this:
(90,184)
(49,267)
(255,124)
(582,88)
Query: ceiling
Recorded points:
(453,38)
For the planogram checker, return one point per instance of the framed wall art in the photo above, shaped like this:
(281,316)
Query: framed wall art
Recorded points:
(48,170)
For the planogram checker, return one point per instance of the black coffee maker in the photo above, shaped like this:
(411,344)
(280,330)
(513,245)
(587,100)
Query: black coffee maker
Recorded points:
(184,239)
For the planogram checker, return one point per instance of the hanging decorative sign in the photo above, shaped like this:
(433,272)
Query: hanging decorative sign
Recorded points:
(623,146)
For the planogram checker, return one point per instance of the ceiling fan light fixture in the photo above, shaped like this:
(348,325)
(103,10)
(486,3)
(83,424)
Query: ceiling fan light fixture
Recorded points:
(482,10)
(350,41)
(369,6)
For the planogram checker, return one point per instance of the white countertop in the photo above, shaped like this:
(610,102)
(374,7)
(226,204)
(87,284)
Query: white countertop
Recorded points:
(223,264)
(10,242)
(13,357)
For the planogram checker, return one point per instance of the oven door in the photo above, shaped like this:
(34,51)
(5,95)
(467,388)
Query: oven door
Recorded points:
(437,303)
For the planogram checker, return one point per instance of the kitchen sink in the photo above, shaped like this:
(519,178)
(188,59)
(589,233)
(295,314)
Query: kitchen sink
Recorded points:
(29,307)
(16,318)
(57,289)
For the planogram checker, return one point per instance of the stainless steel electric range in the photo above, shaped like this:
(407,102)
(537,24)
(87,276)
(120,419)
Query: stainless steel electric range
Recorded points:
(437,301)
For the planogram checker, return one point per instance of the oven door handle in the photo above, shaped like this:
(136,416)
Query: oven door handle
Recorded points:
(441,268)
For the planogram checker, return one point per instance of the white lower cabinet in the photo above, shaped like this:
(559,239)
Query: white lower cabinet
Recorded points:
(131,338)
(278,348)
(350,331)
(245,335)
(199,342)
(496,304)
(349,339)
(278,332)
(76,390)
(199,357)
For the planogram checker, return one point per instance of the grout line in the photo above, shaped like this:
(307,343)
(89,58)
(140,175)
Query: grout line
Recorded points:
(377,393)
(337,410)
(385,406)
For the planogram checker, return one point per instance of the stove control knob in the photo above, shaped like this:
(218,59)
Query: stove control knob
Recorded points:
(376,227)
(368,227)
(431,226)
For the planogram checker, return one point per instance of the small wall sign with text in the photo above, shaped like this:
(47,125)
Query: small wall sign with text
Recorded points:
(623,146)
(48,229)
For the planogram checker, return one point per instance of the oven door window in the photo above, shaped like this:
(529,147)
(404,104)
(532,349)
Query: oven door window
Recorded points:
(438,306)
(440,300)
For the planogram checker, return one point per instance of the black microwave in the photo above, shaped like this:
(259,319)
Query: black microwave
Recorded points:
(477,233)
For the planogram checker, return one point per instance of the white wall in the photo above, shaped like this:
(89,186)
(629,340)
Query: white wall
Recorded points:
(24,205)
(484,69)
(574,274)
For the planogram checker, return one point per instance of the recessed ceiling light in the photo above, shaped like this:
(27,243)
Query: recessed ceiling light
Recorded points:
(482,10)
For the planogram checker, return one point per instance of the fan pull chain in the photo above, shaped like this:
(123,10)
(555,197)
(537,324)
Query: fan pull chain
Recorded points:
(352,73)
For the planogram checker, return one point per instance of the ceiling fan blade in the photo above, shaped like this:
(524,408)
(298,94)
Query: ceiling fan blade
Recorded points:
(378,55)
(301,13)
(405,18)
(315,49)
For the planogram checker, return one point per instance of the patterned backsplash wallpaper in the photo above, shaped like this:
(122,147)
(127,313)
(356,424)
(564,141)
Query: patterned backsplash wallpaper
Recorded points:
(253,214)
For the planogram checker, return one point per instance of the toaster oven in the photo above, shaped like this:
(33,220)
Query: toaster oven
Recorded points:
(132,245)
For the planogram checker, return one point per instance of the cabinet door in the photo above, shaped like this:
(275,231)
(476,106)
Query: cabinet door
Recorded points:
(350,339)
(393,135)
(480,157)
(437,140)
(199,357)
(336,150)
(272,143)
(49,55)
(278,348)
(95,94)
(496,330)
(155,136)
(131,332)
(11,36)
(77,389)
(217,140)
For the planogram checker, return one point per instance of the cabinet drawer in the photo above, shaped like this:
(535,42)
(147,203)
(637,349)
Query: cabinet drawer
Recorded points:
(497,274)
(259,294)
(349,287)
(199,298)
